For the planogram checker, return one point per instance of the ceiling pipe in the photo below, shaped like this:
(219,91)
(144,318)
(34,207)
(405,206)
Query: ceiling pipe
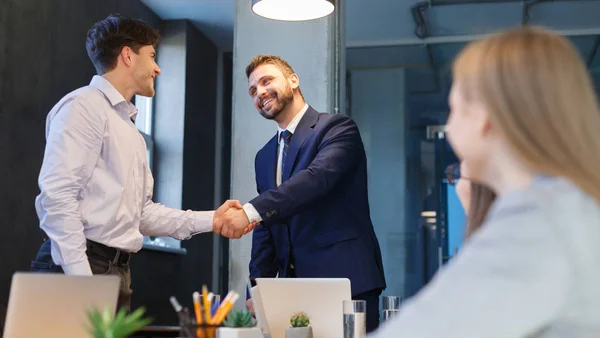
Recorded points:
(528,6)
(414,41)
(594,51)
(418,10)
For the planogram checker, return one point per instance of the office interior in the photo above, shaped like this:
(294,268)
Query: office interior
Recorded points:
(385,63)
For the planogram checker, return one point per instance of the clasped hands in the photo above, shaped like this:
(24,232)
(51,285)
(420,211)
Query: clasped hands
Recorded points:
(230,220)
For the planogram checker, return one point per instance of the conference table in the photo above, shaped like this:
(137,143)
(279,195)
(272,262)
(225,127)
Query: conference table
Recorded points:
(152,331)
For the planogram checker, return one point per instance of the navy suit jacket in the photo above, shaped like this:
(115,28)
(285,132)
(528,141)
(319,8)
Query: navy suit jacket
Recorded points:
(318,219)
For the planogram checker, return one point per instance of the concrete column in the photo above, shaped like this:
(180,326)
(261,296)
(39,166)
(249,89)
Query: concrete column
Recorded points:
(377,104)
(308,47)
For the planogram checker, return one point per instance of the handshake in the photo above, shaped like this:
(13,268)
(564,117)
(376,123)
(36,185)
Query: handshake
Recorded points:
(230,220)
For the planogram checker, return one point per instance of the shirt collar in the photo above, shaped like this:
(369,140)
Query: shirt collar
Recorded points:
(112,94)
(293,124)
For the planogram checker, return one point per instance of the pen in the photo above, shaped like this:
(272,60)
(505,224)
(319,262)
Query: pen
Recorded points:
(215,305)
(188,322)
(206,304)
(197,310)
(175,304)
(214,308)
(226,307)
(184,320)
(220,308)
(210,301)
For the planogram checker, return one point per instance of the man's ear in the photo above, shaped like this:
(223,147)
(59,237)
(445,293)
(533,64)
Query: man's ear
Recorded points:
(126,55)
(294,81)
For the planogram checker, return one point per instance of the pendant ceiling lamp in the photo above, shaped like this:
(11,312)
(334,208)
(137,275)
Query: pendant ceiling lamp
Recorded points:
(293,10)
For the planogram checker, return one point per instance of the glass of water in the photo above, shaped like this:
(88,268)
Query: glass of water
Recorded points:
(355,318)
(390,306)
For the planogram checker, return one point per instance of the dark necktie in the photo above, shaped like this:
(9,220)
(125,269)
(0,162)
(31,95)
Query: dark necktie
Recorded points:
(286,135)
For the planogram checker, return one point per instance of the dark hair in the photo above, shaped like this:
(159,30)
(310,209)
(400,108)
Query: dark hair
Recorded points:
(482,198)
(278,62)
(107,37)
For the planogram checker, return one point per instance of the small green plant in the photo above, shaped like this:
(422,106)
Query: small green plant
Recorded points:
(300,319)
(106,325)
(239,318)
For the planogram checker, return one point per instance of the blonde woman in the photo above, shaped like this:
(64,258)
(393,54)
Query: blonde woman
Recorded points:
(525,117)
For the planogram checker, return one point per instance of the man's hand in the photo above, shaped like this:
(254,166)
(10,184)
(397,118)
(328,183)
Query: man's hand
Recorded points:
(230,220)
(234,223)
(250,227)
(226,206)
(250,307)
(218,220)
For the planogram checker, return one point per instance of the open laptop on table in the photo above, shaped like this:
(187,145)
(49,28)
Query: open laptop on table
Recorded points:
(54,305)
(321,298)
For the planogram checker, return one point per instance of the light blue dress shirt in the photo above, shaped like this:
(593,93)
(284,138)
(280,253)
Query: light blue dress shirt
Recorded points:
(532,270)
(95,181)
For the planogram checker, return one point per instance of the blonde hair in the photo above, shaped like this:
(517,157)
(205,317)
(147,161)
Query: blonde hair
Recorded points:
(541,98)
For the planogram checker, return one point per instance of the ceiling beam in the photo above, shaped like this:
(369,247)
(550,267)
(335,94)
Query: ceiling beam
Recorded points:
(410,41)
(418,11)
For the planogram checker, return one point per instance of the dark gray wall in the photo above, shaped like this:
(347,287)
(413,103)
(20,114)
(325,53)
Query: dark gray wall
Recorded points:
(200,121)
(42,58)
(225,179)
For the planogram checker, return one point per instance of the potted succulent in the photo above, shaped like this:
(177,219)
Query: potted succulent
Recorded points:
(106,325)
(239,324)
(300,326)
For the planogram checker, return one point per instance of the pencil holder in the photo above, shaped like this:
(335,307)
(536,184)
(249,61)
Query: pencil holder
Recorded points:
(198,331)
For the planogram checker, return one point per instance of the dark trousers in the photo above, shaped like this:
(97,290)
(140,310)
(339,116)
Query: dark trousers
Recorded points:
(372,299)
(101,263)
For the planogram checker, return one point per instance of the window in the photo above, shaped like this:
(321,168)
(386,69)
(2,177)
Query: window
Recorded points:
(143,122)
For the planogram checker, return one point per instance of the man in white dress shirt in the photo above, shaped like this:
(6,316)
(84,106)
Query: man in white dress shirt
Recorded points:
(95,203)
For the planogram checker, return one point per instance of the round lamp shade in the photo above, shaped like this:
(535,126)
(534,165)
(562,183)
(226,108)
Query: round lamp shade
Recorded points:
(293,10)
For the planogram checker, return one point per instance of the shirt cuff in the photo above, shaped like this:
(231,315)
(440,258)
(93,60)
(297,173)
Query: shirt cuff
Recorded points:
(253,215)
(203,222)
(82,269)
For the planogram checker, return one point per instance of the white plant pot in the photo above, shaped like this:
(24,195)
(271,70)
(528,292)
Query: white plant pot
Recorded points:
(299,332)
(241,332)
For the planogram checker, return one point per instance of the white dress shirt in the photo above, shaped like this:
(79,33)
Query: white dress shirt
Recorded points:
(253,215)
(95,181)
(532,270)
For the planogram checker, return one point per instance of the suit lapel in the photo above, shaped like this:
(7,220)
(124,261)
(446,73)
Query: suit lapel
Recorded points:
(303,129)
(272,149)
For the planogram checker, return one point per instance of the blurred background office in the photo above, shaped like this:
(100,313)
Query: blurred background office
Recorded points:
(385,63)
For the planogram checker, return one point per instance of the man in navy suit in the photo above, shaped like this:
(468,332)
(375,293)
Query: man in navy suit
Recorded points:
(312,182)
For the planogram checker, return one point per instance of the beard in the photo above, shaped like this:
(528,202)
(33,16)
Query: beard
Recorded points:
(145,84)
(280,102)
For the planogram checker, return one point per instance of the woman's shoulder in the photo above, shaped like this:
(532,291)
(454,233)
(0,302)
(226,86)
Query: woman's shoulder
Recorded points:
(552,207)
(548,196)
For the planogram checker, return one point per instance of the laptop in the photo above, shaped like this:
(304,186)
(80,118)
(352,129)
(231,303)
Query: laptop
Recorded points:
(54,305)
(320,298)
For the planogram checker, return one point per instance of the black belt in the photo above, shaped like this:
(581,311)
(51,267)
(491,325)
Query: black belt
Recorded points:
(114,255)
